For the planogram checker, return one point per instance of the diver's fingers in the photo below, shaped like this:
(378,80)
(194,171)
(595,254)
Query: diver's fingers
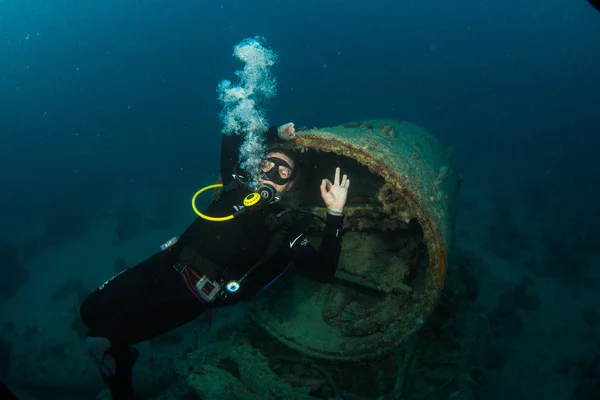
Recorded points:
(345,180)
(323,188)
(336,180)
(284,130)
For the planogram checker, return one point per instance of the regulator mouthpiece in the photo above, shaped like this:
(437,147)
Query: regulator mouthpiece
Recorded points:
(267,193)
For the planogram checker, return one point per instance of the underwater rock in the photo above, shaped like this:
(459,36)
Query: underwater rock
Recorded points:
(505,239)
(524,300)
(66,220)
(130,223)
(168,339)
(5,354)
(505,318)
(14,275)
(468,262)
(75,290)
(234,371)
(77,324)
(496,360)
(540,266)
(33,247)
(70,287)
(588,385)
(8,328)
(591,317)
(30,333)
(565,257)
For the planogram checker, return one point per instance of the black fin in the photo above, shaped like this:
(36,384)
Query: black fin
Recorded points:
(121,384)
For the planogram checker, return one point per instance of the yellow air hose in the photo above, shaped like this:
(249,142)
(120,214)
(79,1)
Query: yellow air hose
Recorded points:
(206,217)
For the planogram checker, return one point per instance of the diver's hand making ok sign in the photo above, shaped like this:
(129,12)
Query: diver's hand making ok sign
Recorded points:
(334,194)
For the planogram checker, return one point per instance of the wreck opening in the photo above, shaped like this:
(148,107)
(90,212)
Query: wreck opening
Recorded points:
(383,247)
(398,224)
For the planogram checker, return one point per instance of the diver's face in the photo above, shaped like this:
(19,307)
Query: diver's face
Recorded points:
(281,172)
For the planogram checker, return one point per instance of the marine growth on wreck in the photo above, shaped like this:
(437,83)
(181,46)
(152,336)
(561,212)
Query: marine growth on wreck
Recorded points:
(398,221)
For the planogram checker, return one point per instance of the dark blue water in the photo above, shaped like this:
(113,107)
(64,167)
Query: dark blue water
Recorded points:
(109,106)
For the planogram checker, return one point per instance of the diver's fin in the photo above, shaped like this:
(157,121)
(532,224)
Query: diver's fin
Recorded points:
(5,393)
(120,384)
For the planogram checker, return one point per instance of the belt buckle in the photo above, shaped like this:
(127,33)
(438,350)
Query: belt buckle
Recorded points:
(180,267)
(207,289)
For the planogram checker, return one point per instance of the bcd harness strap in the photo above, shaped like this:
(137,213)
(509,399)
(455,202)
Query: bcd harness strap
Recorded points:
(191,278)
(205,279)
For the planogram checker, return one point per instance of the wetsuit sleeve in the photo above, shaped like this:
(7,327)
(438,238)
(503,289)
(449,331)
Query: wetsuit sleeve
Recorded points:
(319,264)
(230,152)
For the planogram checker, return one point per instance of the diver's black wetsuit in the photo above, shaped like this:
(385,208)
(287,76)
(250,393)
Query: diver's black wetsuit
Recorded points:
(152,297)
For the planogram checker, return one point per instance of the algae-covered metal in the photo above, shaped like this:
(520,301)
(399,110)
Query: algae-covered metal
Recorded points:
(399,225)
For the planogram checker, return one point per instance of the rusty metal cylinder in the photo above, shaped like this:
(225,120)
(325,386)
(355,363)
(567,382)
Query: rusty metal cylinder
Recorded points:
(399,222)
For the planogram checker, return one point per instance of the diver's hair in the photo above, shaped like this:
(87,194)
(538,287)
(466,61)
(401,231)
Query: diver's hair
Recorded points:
(289,153)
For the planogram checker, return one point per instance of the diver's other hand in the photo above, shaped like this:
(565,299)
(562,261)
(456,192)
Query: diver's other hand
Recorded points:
(334,194)
(287,131)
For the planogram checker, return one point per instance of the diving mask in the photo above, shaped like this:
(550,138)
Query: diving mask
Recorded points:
(276,170)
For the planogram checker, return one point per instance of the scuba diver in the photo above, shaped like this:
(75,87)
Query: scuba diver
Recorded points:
(241,243)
